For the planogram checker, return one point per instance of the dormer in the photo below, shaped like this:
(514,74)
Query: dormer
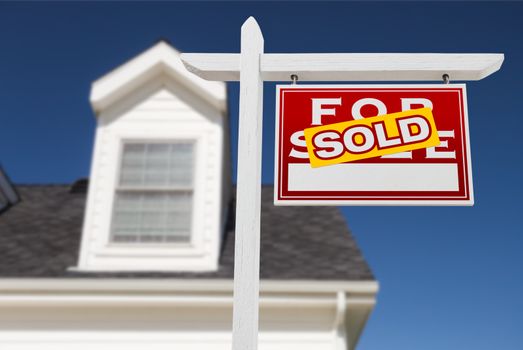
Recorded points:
(160,179)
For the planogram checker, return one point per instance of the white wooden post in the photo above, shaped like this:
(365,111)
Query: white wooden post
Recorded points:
(248,193)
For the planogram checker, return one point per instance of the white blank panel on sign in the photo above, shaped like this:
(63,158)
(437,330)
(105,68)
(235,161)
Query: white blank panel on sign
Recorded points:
(374,177)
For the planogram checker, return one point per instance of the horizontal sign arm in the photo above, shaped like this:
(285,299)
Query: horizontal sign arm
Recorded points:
(349,66)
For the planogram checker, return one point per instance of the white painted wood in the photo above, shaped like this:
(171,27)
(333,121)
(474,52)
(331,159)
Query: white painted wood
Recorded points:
(161,59)
(350,66)
(248,202)
(110,285)
(213,66)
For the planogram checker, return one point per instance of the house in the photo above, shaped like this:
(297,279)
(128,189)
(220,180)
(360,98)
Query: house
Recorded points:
(140,256)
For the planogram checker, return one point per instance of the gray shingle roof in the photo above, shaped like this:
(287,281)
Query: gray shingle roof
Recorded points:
(40,236)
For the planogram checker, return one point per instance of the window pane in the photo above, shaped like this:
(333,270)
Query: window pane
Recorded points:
(157,165)
(132,164)
(181,153)
(152,217)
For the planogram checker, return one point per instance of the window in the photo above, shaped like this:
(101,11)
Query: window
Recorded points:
(153,199)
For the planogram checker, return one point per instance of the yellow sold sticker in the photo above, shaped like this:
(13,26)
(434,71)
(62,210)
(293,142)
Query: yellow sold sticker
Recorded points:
(371,137)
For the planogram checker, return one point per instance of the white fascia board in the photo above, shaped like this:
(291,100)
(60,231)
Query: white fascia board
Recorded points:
(160,59)
(186,299)
(114,285)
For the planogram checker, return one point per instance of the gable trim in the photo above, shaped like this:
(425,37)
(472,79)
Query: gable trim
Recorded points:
(160,59)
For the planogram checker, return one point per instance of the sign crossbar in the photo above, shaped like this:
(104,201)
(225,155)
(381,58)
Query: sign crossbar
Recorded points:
(349,66)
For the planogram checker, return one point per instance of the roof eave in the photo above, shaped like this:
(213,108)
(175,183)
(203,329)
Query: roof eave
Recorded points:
(10,285)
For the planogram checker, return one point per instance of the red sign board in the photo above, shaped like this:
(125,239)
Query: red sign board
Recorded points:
(438,175)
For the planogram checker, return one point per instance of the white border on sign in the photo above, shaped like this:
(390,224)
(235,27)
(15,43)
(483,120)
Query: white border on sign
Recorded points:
(382,202)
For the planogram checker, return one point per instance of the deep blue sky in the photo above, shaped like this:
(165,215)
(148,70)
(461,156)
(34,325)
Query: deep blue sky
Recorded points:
(451,278)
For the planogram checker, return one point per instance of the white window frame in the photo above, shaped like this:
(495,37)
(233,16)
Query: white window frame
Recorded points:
(103,246)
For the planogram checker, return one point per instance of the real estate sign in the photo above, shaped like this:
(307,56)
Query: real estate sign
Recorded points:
(372,145)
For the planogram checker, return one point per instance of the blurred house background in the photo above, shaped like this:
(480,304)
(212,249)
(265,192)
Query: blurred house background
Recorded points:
(140,256)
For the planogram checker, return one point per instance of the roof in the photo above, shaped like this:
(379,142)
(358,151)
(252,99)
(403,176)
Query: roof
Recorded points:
(160,59)
(40,237)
